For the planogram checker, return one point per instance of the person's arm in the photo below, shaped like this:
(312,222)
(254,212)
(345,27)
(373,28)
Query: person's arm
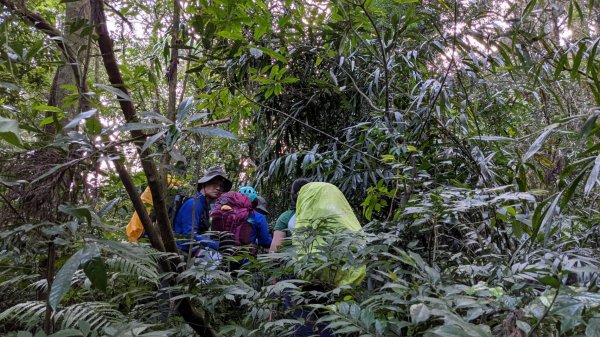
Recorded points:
(278,237)
(263,237)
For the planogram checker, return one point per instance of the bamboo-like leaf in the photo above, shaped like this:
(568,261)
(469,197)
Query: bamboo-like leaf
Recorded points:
(529,8)
(577,61)
(118,92)
(109,206)
(196,117)
(537,144)
(84,115)
(571,189)
(153,139)
(591,57)
(54,169)
(547,222)
(588,126)
(140,126)
(493,138)
(212,132)
(593,178)
(184,108)
(156,116)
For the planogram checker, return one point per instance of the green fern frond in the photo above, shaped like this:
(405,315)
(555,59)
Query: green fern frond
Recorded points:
(138,269)
(98,314)
(26,313)
(39,286)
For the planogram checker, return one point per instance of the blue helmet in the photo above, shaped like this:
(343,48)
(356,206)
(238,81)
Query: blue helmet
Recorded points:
(250,192)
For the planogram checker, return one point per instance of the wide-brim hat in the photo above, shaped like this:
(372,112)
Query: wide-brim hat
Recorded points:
(214,172)
(261,206)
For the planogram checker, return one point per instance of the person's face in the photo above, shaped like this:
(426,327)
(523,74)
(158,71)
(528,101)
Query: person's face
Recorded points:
(213,188)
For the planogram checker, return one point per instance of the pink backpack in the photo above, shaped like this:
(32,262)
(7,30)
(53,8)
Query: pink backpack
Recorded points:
(230,215)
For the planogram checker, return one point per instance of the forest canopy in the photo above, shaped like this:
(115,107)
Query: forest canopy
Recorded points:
(463,134)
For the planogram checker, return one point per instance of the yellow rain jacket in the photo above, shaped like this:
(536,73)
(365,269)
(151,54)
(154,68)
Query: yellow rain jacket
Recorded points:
(323,202)
(134,228)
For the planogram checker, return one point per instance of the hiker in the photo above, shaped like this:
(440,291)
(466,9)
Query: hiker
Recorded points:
(135,229)
(260,235)
(321,210)
(324,208)
(209,188)
(285,222)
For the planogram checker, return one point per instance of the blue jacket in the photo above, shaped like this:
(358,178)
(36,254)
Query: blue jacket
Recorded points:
(260,230)
(183,224)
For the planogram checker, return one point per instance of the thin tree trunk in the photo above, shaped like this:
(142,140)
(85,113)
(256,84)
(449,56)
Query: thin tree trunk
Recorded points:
(48,322)
(196,319)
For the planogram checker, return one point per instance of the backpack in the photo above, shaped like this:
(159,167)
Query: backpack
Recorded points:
(230,215)
(175,200)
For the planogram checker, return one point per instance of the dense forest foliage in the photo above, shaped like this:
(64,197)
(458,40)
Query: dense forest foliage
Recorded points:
(464,133)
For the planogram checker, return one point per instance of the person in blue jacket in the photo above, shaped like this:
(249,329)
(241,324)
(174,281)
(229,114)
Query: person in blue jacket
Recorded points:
(209,188)
(260,235)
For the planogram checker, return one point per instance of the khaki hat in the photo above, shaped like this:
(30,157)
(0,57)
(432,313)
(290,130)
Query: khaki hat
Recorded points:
(212,173)
(261,206)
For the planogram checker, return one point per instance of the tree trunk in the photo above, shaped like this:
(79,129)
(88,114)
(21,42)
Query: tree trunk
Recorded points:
(195,318)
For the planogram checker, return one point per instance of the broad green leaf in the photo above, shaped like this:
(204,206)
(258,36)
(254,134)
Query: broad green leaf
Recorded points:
(593,178)
(62,280)
(118,92)
(47,108)
(96,272)
(419,313)
(593,327)
(213,132)
(550,281)
(67,332)
(9,131)
(273,54)
(82,212)
(51,119)
(537,144)
(93,126)
(80,117)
